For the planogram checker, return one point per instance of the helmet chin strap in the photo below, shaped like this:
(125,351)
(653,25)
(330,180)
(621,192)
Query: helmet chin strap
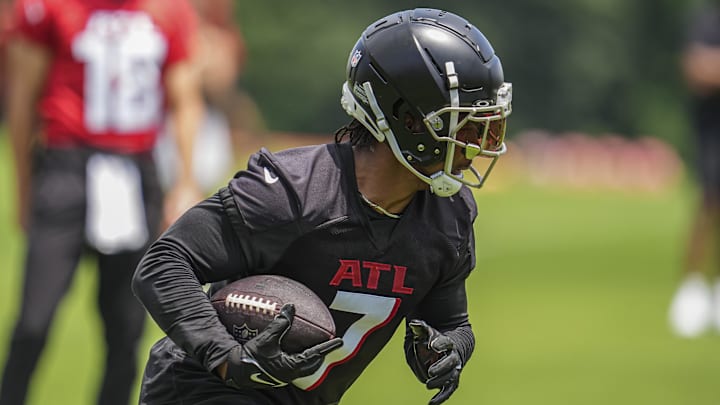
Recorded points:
(441,182)
(443,185)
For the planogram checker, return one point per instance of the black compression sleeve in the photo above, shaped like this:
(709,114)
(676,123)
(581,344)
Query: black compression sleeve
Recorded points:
(200,247)
(445,308)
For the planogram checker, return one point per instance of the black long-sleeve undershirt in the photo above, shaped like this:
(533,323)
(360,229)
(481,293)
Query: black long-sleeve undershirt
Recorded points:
(200,248)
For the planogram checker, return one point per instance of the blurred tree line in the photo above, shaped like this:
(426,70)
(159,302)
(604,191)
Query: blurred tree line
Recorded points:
(597,66)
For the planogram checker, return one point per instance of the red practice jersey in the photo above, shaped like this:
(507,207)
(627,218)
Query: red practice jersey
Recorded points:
(104,87)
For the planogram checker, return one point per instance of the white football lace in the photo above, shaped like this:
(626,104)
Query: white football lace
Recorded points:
(250,303)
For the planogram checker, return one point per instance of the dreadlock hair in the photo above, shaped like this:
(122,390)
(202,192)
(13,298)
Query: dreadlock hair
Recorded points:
(356,133)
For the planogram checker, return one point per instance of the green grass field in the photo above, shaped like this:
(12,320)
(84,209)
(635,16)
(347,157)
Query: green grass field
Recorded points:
(568,301)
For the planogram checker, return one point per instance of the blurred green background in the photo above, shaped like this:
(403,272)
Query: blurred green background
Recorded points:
(597,66)
(569,298)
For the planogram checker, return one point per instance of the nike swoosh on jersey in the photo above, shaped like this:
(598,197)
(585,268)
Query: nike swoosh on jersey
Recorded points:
(257,377)
(270,178)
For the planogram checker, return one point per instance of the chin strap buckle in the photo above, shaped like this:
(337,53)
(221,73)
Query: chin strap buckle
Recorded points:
(443,185)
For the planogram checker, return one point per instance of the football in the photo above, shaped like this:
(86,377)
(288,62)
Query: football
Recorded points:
(248,305)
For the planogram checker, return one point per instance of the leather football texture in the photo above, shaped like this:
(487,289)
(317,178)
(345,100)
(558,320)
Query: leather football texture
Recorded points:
(246,306)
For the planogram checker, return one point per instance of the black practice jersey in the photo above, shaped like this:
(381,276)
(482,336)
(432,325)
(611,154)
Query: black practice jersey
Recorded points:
(298,213)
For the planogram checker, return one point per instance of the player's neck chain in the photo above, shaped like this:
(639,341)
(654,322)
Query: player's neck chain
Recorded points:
(379,208)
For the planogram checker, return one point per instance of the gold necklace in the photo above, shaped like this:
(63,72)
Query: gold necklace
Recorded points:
(379,208)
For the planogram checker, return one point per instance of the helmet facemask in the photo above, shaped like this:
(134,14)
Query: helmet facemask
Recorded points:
(488,121)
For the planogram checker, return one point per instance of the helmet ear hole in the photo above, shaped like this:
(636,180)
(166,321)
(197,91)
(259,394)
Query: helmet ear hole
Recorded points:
(412,124)
(408,122)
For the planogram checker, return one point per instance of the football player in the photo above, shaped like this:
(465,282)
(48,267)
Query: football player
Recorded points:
(96,76)
(695,306)
(378,224)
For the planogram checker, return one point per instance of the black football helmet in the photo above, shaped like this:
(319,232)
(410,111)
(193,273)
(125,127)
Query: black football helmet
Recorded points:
(438,69)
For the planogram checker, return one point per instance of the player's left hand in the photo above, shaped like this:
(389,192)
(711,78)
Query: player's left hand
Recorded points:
(443,373)
(179,199)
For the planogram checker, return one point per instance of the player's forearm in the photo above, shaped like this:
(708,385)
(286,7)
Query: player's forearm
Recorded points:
(165,284)
(200,248)
(20,135)
(186,121)
(27,66)
(186,113)
(20,127)
(20,130)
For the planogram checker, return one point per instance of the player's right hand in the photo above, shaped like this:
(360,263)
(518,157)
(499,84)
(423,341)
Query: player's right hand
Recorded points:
(437,363)
(261,363)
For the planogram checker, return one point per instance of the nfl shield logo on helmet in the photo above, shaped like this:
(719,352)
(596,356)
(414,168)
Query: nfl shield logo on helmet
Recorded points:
(242,333)
(357,55)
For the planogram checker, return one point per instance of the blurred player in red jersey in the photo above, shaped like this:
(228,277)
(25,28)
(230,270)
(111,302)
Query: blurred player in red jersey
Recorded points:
(221,53)
(97,76)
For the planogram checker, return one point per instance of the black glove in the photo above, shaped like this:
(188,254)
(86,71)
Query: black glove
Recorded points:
(436,363)
(261,363)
